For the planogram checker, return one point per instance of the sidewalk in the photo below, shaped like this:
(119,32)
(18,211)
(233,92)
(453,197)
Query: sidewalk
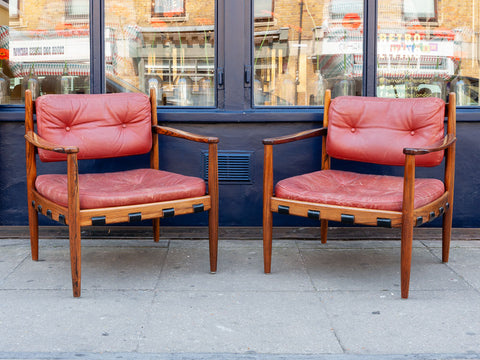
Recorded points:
(146,300)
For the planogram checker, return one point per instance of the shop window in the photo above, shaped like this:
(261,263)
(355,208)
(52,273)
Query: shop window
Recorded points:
(339,8)
(77,8)
(416,59)
(43,51)
(263,10)
(309,47)
(14,7)
(175,57)
(423,11)
(169,8)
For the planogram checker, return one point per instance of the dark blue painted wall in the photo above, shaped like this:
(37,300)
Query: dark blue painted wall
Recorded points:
(240,205)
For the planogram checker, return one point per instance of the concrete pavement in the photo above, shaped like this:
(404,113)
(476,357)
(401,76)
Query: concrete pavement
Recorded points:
(146,300)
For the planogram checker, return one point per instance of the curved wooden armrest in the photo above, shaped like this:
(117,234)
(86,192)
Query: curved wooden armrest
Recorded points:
(446,142)
(41,143)
(294,137)
(164,130)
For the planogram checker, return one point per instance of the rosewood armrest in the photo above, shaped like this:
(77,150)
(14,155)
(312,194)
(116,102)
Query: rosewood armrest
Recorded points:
(443,144)
(294,137)
(41,143)
(164,130)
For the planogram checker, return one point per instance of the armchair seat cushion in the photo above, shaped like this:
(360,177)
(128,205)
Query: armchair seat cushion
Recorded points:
(122,188)
(345,188)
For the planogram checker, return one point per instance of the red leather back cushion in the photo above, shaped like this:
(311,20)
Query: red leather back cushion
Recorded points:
(376,130)
(102,126)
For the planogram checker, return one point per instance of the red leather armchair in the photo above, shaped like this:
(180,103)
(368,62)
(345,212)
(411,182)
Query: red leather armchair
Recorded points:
(406,132)
(76,127)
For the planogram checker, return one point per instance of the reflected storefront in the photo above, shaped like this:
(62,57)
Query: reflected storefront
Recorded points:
(299,49)
(241,70)
(423,49)
(167,49)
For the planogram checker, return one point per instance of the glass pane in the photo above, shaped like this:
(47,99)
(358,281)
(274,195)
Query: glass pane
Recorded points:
(43,49)
(302,48)
(413,9)
(428,48)
(167,45)
(77,8)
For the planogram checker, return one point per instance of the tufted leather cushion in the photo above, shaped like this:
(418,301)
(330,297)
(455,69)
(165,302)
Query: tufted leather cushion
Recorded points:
(122,188)
(376,130)
(102,126)
(345,188)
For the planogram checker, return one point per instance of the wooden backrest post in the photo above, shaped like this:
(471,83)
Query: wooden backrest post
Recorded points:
(450,152)
(325,156)
(154,158)
(29,148)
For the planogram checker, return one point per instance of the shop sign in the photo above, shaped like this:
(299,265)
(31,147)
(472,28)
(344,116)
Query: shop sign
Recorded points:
(342,47)
(77,49)
(423,47)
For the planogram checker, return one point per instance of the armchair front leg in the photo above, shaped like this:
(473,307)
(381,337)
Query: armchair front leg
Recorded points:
(213,212)
(267,212)
(407,223)
(74,223)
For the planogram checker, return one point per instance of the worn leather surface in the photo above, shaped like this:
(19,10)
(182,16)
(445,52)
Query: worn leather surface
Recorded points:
(376,130)
(122,188)
(357,190)
(102,126)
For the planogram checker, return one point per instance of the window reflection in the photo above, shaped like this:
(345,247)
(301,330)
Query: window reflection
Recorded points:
(43,49)
(169,7)
(306,47)
(428,48)
(169,48)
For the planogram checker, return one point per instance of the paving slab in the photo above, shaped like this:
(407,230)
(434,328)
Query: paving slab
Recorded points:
(146,300)
(427,322)
(10,258)
(115,268)
(54,321)
(239,269)
(453,244)
(238,322)
(465,262)
(353,244)
(229,356)
(377,269)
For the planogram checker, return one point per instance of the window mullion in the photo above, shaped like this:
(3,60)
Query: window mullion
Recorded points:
(97,46)
(370,48)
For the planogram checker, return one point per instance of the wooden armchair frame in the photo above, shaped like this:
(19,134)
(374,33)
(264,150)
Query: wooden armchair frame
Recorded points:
(407,219)
(74,217)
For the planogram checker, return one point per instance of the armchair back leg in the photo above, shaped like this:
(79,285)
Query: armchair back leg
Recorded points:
(156,229)
(446,233)
(323,231)
(33,225)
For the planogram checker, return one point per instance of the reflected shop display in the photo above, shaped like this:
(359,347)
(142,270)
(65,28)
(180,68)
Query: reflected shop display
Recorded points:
(299,49)
(157,44)
(423,49)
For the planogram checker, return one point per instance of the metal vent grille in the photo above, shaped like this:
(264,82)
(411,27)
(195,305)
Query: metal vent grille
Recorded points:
(233,166)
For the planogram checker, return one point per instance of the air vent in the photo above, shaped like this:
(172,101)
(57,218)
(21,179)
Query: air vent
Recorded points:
(233,166)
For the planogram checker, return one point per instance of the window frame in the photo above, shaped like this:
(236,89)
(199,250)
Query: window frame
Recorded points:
(266,18)
(69,15)
(17,14)
(234,58)
(169,14)
(433,19)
